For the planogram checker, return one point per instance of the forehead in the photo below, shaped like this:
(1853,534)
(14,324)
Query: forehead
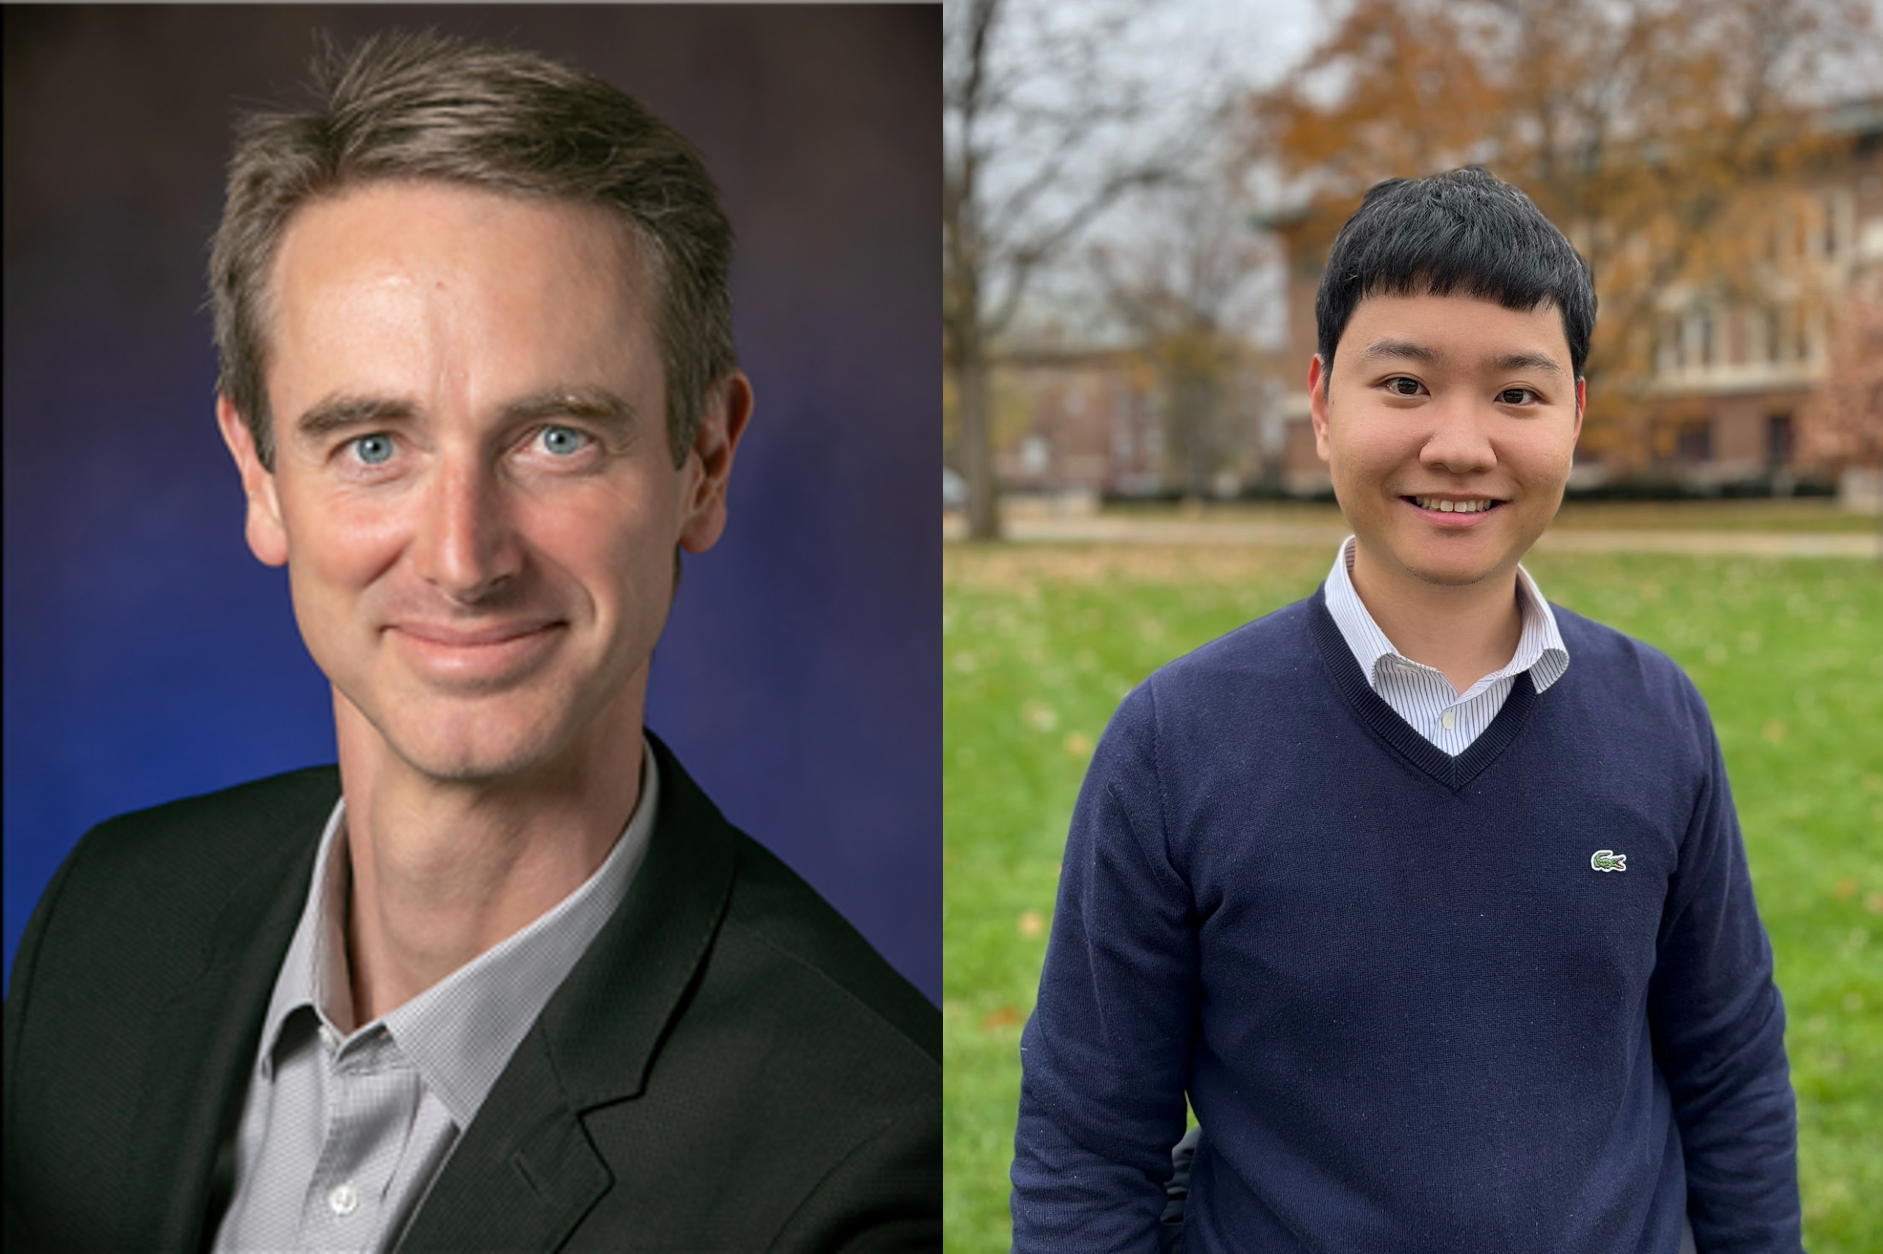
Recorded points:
(454,260)
(1467,327)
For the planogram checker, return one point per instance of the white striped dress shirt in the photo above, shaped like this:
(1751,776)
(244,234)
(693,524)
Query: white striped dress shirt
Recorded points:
(342,1135)
(1421,694)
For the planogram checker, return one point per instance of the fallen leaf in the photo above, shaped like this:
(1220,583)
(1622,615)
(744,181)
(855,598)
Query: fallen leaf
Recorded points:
(1039,717)
(1000,1017)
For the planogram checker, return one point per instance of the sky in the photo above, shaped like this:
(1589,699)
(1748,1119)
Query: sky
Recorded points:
(1251,40)
(1189,55)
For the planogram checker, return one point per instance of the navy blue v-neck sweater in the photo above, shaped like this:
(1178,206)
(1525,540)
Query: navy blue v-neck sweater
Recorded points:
(1410,1008)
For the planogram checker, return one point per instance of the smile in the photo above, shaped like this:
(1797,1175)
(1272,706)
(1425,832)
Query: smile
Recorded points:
(1474,506)
(480,656)
(1454,513)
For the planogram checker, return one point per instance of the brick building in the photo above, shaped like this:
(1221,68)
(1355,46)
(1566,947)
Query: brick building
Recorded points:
(1096,422)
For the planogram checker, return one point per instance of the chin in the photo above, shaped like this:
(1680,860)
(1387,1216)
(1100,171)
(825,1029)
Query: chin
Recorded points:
(480,734)
(475,742)
(1450,578)
(1455,572)
(476,758)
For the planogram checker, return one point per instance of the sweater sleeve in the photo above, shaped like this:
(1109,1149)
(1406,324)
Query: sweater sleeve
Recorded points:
(1105,1056)
(1719,1036)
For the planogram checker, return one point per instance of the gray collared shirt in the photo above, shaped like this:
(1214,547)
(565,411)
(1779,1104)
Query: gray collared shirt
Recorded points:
(341,1135)
(1421,694)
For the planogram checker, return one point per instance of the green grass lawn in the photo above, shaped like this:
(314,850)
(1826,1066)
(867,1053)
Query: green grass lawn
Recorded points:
(1040,643)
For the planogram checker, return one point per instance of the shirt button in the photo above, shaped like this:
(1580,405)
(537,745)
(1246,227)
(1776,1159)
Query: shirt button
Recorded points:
(1445,720)
(345,1199)
(329,1038)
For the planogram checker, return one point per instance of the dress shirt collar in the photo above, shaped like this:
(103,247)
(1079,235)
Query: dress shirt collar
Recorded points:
(1540,649)
(461,1032)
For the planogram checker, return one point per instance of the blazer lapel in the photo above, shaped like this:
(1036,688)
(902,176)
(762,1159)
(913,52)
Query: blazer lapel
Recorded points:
(208,1032)
(524,1173)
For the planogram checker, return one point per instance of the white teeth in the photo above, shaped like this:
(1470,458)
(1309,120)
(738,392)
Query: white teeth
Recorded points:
(1452,507)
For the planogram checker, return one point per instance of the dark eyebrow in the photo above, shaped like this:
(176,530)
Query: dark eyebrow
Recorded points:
(1524,361)
(346,411)
(342,411)
(594,404)
(1432,357)
(1403,348)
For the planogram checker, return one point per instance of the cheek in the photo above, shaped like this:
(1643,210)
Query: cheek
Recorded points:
(1370,450)
(619,544)
(335,556)
(337,543)
(1542,457)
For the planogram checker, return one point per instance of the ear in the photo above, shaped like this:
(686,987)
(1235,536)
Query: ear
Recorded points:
(267,537)
(709,462)
(1582,399)
(1317,406)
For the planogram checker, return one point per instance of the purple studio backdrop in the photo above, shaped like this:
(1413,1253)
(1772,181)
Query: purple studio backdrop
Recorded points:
(148,656)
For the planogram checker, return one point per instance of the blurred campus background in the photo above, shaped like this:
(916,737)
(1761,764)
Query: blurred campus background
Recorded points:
(1137,205)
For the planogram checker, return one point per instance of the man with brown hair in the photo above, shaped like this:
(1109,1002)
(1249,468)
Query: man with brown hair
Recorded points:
(505,979)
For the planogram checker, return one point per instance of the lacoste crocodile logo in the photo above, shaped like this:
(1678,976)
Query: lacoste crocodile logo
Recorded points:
(1608,860)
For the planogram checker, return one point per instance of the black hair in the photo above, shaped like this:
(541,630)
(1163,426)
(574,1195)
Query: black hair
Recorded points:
(1467,232)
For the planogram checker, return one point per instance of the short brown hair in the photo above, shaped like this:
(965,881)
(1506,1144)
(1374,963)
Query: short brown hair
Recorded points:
(429,107)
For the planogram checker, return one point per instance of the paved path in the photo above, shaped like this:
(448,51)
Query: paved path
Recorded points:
(1100,528)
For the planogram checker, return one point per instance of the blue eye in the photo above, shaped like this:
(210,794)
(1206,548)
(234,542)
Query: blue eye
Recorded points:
(374,450)
(563,441)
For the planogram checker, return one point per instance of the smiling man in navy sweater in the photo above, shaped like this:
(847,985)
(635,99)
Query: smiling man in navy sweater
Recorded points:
(1429,895)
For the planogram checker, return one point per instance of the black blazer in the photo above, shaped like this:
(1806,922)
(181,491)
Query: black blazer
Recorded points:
(730,1066)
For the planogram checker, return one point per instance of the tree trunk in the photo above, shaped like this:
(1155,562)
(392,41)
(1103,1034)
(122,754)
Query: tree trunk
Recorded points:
(977,439)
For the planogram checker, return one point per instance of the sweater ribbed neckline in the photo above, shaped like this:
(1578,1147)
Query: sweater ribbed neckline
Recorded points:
(1451,772)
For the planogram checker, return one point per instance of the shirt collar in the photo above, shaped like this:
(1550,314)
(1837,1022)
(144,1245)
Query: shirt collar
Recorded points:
(1540,647)
(461,1032)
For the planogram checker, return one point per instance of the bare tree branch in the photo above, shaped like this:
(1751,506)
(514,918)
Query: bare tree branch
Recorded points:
(1042,133)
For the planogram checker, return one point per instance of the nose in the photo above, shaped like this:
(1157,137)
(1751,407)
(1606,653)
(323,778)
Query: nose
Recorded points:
(465,545)
(1460,439)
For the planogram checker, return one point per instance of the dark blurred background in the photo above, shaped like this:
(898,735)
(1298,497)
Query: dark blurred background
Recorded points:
(149,657)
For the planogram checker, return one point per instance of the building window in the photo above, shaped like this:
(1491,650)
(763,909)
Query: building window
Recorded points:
(1694,443)
(1839,212)
(1778,439)
(1035,454)
(1672,358)
(1774,335)
(1121,442)
(1705,320)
